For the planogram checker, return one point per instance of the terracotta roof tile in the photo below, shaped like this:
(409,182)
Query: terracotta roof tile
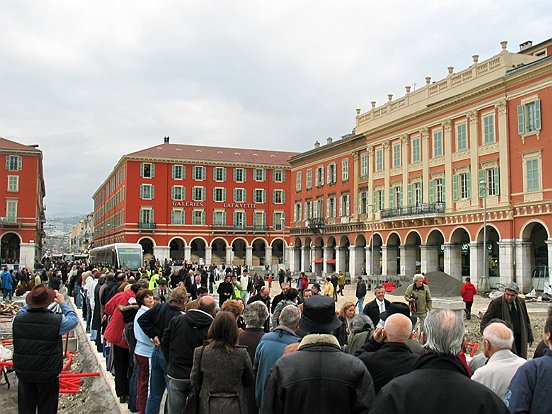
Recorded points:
(220,154)
(6,144)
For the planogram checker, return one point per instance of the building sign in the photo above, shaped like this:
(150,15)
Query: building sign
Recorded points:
(187,204)
(239,205)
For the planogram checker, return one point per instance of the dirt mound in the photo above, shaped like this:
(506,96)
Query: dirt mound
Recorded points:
(439,283)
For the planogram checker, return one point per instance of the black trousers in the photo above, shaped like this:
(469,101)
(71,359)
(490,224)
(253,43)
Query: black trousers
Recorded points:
(35,397)
(121,364)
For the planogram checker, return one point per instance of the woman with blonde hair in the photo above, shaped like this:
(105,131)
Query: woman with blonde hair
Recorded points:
(235,307)
(221,385)
(346,315)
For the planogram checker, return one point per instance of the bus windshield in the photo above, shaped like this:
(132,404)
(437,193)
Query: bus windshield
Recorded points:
(129,258)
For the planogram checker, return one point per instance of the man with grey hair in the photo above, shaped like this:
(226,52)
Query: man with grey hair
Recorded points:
(418,297)
(502,363)
(271,346)
(448,386)
(255,314)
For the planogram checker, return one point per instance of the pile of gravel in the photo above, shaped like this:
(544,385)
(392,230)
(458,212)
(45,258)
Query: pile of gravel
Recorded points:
(440,284)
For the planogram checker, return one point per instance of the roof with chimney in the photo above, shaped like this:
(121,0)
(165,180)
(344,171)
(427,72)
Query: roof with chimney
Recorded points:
(6,144)
(216,154)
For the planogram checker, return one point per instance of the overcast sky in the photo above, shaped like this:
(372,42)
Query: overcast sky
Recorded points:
(91,81)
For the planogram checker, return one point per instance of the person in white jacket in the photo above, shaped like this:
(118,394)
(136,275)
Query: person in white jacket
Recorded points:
(502,363)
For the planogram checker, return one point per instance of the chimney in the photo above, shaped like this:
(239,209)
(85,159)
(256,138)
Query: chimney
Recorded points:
(329,140)
(525,45)
(166,140)
(317,144)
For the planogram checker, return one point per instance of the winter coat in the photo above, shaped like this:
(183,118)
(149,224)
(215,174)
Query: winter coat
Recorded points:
(468,291)
(372,310)
(499,308)
(386,361)
(6,280)
(250,338)
(529,391)
(360,289)
(115,327)
(424,302)
(499,371)
(318,378)
(438,384)
(222,377)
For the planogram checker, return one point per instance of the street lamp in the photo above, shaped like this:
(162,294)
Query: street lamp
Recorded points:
(283,220)
(484,281)
(372,273)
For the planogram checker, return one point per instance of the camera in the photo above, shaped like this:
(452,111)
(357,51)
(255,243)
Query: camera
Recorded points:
(413,296)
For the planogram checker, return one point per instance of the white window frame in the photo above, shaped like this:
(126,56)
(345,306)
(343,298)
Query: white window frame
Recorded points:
(220,213)
(243,197)
(345,205)
(463,186)
(219,171)
(149,167)
(259,219)
(198,173)
(332,173)
(529,116)
(147,192)
(397,155)
(198,191)
(262,192)
(146,215)
(379,160)
(363,164)
(219,194)
(175,174)
(178,213)
(198,213)
(14,163)
(416,150)
(237,172)
(11,208)
(308,179)
(176,189)
(279,197)
(239,224)
(532,184)
(259,174)
(439,190)
(13,183)
(345,169)
(278,175)
(298,180)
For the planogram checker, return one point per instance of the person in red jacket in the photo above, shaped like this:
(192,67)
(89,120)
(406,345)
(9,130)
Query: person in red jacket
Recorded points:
(468,291)
(114,335)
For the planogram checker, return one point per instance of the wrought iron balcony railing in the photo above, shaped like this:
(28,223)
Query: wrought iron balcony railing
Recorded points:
(146,226)
(423,209)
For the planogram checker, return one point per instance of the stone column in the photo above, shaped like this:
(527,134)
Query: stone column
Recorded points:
(353,267)
(305,259)
(338,260)
(187,253)
(429,258)
(208,255)
(523,265)
(327,256)
(368,257)
(389,260)
(549,247)
(453,260)
(229,256)
(268,256)
(503,159)
(506,260)
(476,262)
(297,262)
(249,256)
(408,260)
(27,255)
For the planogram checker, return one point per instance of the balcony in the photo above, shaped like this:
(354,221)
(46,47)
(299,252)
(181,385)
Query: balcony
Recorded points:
(10,222)
(146,226)
(420,210)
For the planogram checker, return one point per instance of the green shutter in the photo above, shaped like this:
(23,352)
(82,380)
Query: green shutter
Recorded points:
(410,189)
(496,181)
(382,195)
(391,199)
(141,191)
(431,191)
(481,177)
(152,170)
(537,115)
(469,184)
(400,198)
(141,168)
(455,187)
(375,201)
(521,119)
(152,192)
(444,194)
(283,197)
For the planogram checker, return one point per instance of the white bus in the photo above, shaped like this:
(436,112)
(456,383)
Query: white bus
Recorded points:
(118,256)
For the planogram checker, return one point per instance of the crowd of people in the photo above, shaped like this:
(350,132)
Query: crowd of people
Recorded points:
(164,331)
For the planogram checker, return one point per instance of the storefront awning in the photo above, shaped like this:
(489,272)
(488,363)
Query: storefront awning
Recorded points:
(321,260)
(331,261)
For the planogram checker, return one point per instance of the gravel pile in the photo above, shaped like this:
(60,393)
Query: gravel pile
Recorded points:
(440,283)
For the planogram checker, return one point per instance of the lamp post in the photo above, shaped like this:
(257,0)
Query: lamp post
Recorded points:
(484,281)
(372,273)
(283,220)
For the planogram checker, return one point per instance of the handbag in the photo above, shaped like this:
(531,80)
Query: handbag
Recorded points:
(192,400)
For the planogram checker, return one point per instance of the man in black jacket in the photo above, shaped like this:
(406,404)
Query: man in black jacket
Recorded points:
(153,323)
(38,349)
(342,382)
(439,382)
(184,334)
(386,353)
(374,308)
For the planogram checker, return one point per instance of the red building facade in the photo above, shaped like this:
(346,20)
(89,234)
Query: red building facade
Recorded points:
(202,204)
(22,216)
(447,177)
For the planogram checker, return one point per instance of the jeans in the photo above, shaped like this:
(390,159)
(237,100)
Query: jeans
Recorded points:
(360,305)
(177,392)
(7,293)
(245,295)
(157,381)
(132,399)
(78,297)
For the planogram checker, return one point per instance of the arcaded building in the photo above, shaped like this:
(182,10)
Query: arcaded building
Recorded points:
(414,180)
(22,191)
(198,203)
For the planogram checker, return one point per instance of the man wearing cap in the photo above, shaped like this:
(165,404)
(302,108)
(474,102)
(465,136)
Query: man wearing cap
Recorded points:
(386,353)
(38,349)
(342,381)
(510,308)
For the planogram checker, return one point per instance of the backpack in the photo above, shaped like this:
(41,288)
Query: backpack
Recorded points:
(129,336)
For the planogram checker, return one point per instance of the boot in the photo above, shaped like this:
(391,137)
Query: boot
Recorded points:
(468,315)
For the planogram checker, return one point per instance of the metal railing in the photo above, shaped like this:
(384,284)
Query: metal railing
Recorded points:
(417,210)
(146,226)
